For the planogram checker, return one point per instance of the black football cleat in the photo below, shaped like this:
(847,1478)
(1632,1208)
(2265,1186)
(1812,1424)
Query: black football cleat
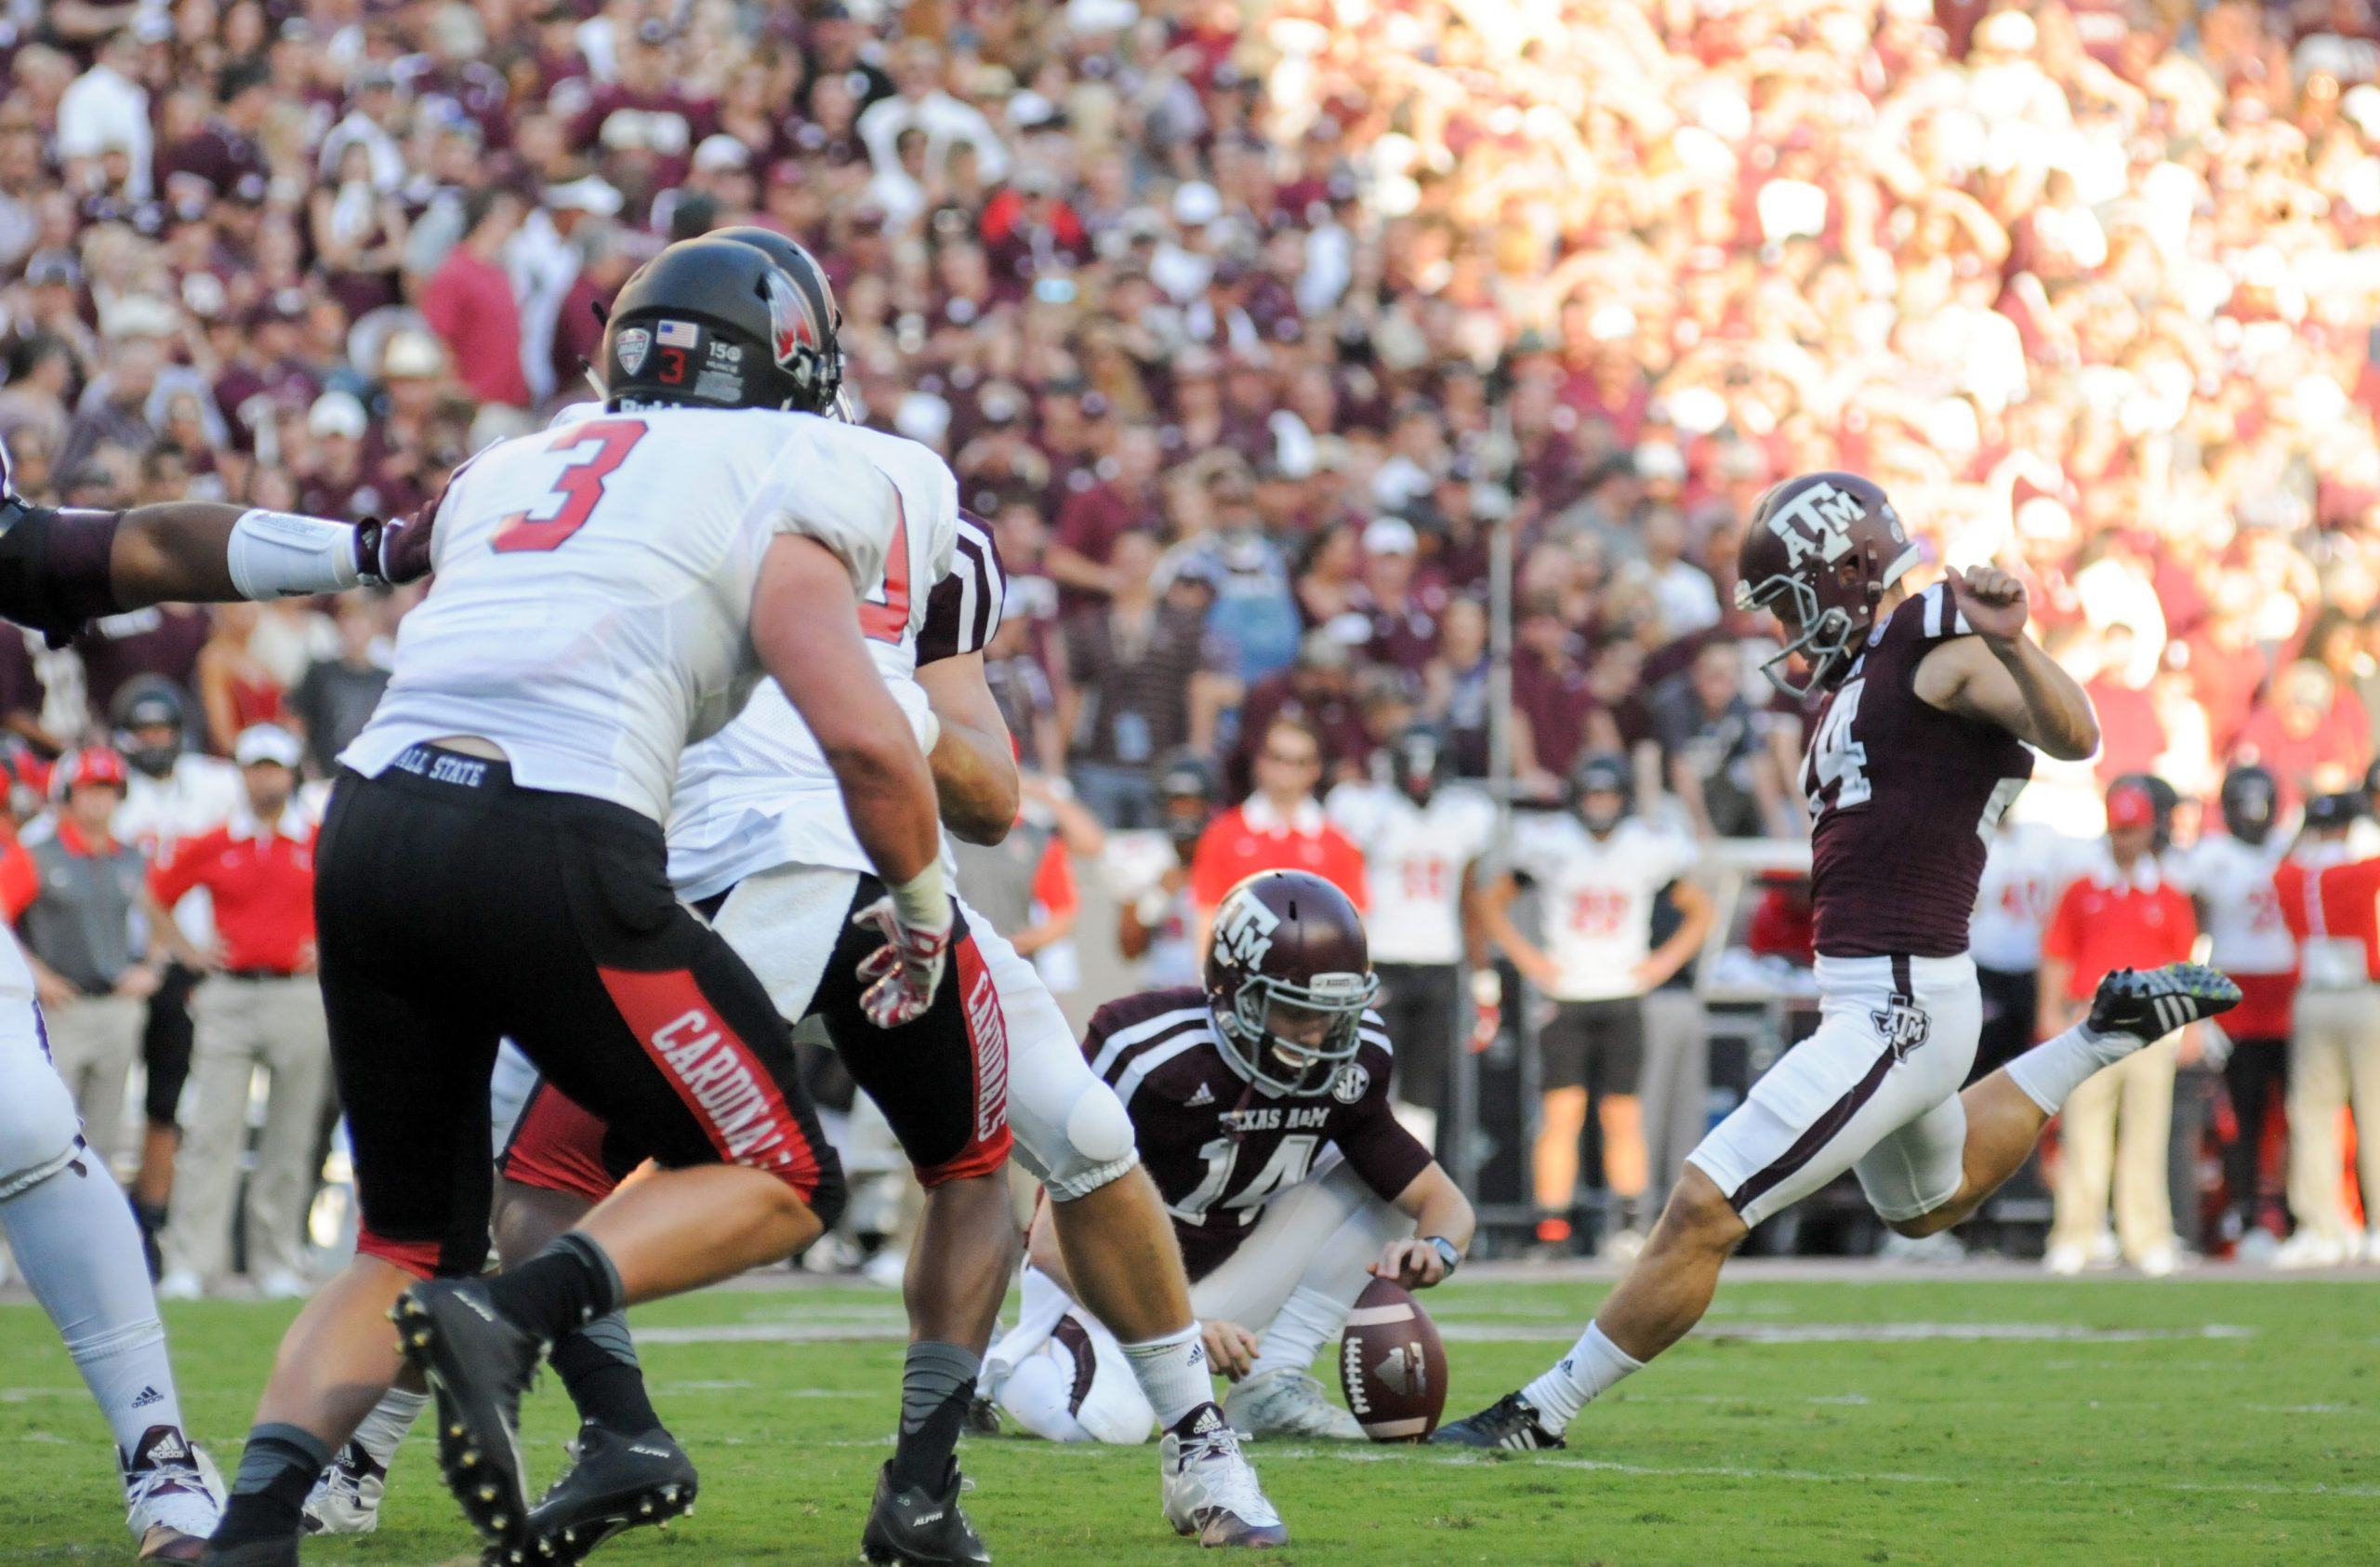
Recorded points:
(1510,1422)
(479,1362)
(255,1553)
(983,1417)
(615,1483)
(916,1527)
(2148,1004)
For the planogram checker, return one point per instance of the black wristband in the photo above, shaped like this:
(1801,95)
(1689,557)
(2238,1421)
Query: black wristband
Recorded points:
(1449,1253)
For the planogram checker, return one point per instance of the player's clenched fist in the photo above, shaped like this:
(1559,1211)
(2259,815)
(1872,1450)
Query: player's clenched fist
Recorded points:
(900,976)
(1992,600)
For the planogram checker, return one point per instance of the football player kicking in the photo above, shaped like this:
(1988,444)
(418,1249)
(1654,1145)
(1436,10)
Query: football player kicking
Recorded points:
(1260,1103)
(1931,700)
(757,811)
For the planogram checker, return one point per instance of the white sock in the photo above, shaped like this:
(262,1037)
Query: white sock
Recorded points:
(79,1249)
(1307,1321)
(2055,1068)
(1172,1374)
(1593,1364)
(385,1428)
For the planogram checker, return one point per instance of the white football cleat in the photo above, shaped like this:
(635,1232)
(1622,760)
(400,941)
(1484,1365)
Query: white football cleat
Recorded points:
(346,1498)
(180,1285)
(173,1497)
(2158,1262)
(1288,1403)
(2066,1260)
(2310,1248)
(1211,1490)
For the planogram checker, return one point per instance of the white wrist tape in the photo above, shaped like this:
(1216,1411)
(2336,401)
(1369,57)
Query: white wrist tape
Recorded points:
(921,901)
(280,554)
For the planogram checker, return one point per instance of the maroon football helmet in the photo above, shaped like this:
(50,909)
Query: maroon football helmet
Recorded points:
(1818,553)
(1289,976)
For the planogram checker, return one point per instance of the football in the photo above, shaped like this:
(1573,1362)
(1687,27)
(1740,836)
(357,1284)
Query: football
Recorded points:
(1393,1366)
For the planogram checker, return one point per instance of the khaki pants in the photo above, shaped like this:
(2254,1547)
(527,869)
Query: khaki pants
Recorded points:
(241,1025)
(94,1042)
(2117,1122)
(2334,1054)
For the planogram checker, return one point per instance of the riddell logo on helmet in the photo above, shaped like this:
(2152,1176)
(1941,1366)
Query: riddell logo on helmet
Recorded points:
(1244,930)
(1816,522)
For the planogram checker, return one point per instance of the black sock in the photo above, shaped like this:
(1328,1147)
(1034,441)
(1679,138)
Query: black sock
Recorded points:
(598,1365)
(278,1468)
(936,1382)
(562,1288)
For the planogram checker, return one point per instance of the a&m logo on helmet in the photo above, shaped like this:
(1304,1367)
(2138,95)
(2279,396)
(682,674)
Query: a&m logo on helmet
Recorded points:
(1244,929)
(1816,522)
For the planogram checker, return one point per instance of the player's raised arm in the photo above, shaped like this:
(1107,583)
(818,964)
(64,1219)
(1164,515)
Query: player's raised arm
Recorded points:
(2001,676)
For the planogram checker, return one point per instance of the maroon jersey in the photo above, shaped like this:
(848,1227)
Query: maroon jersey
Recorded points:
(1902,798)
(1218,1149)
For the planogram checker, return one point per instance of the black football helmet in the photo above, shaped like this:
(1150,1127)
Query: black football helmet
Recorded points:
(1416,764)
(1186,798)
(149,701)
(797,262)
(2251,800)
(1288,974)
(1819,553)
(1602,772)
(724,324)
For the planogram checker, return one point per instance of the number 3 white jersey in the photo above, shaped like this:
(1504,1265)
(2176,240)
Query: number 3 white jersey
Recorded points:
(760,794)
(1414,856)
(592,608)
(1596,897)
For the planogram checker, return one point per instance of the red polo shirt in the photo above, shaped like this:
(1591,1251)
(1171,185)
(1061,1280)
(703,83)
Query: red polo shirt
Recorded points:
(1254,837)
(2337,905)
(262,879)
(2105,920)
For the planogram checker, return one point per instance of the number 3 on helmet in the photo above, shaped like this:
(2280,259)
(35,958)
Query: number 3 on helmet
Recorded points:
(1819,553)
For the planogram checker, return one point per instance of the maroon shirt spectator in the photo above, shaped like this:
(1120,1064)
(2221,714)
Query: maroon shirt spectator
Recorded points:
(468,302)
(164,640)
(224,152)
(1091,520)
(1318,691)
(1404,614)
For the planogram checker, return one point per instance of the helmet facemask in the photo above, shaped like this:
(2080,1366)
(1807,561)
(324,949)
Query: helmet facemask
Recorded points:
(1826,644)
(1291,1040)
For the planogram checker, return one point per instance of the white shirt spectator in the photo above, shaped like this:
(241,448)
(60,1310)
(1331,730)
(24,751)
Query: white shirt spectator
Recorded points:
(103,109)
(2024,870)
(945,120)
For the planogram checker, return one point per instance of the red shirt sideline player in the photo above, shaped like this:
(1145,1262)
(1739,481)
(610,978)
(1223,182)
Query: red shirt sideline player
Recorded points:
(1919,747)
(1278,828)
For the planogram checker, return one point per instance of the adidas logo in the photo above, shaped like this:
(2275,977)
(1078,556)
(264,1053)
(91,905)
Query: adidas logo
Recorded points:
(162,1445)
(1210,1420)
(1206,1095)
(147,1397)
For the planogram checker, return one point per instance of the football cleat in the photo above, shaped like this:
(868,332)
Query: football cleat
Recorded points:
(346,1498)
(1211,1489)
(983,1417)
(1511,1422)
(478,1362)
(2148,1004)
(917,1527)
(615,1483)
(172,1496)
(255,1553)
(1288,1403)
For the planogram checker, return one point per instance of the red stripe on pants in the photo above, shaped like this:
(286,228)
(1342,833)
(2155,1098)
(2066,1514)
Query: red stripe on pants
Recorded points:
(722,1083)
(979,1005)
(417,1258)
(559,1147)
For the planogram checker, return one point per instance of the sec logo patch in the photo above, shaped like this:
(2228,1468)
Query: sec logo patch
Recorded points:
(1349,1085)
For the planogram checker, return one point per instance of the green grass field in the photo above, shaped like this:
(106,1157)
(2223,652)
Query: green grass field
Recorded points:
(1959,1422)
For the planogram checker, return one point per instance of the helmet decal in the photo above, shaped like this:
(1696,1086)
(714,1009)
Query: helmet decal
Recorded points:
(792,326)
(1816,522)
(1244,929)
(632,344)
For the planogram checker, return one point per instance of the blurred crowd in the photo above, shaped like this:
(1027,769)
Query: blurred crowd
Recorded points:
(1248,326)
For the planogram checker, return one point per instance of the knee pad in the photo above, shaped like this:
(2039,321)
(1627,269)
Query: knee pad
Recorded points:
(1093,1142)
(40,1133)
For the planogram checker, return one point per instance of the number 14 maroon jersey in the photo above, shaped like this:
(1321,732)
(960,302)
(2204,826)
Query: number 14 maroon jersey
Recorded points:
(1903,797)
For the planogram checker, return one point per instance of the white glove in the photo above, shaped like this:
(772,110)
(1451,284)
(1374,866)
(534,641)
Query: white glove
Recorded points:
(900,976)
